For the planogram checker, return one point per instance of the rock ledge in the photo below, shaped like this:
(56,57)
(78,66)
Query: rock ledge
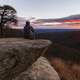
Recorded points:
(16,55)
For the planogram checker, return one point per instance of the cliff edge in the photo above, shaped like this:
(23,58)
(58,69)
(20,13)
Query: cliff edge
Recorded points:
(17,55)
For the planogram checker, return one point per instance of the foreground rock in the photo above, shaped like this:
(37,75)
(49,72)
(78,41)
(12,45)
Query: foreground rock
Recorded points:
(40,70)
(16,55)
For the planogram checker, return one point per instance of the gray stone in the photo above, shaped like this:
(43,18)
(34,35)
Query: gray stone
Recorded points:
(16,55)
(40,70)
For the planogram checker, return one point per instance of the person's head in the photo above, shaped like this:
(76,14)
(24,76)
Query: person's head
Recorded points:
(27,23)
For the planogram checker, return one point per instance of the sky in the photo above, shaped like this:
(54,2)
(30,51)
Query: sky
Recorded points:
(44,8)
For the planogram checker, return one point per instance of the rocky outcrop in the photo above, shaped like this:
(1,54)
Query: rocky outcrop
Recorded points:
(40,70)
(16,55)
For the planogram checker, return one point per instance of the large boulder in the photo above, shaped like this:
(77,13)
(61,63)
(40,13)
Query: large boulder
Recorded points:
(40,70)
(17,55)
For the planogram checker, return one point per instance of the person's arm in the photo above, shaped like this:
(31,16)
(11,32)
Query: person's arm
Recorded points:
(32,29)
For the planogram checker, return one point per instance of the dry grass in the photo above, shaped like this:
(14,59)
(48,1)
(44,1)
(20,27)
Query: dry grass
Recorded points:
(66,70)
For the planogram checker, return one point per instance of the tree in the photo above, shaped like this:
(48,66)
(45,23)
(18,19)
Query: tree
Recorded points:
(7,14)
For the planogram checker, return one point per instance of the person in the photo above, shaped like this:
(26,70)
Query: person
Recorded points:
(28,31)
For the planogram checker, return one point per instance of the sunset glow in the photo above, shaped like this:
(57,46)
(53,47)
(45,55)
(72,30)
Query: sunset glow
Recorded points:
(46,9)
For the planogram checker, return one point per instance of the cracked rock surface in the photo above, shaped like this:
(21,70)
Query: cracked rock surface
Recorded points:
(17,55)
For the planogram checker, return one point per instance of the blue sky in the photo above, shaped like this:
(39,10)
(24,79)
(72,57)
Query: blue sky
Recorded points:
(44,8)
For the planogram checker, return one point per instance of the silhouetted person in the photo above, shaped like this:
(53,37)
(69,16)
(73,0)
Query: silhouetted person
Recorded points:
(28,31)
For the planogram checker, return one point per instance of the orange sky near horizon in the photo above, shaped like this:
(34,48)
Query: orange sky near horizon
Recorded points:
(73,26)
